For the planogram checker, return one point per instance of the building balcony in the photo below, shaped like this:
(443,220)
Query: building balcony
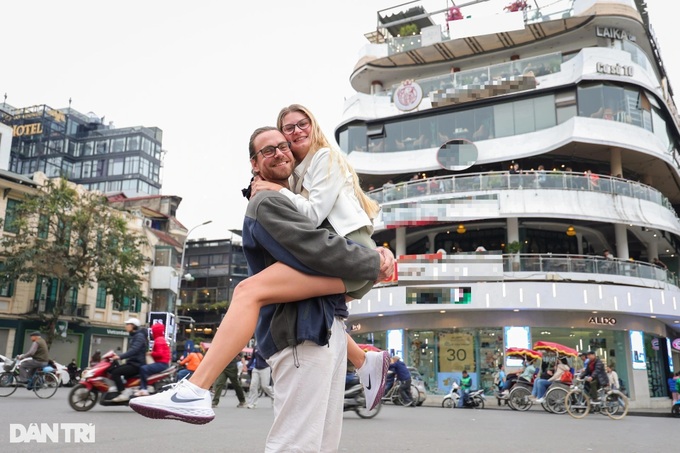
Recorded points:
(492,195)
(479,267)
(46,306)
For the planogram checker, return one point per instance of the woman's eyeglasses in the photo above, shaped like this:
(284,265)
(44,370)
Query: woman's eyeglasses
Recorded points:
(302,125)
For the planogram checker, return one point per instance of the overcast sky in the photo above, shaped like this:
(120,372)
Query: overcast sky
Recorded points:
(207,73)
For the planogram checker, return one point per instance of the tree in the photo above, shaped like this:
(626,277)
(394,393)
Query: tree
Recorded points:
(73,236)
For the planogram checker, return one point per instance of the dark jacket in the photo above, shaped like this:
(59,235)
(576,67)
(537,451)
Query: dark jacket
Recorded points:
(137,347)
(258,362)
(597,371)
(400,369)
(273,230)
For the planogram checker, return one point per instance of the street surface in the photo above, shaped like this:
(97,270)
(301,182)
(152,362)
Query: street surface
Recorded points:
(395,429)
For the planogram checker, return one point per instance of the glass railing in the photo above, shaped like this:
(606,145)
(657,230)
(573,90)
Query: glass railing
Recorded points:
(551,10)
(552,180)
(586,264)
(537,66)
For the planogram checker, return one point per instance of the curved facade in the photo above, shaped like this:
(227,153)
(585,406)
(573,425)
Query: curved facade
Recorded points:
(575,94)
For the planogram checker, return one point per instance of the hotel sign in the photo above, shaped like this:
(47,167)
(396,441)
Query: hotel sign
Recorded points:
(27,129)
(614,69)
(614,33)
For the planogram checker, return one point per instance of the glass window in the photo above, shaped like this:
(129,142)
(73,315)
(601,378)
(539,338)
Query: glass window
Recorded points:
(87,169)
(87,148)
(131,165)
(144,167)
(589,101)
(565,113)
(6,290)
(10,216)
(77,170)
(133,143)
(118,145)
(660,128)
(524,116)
(130,184)
(504,120)
(544,109)
(98,170)
(101,146)
(114,186)
(101,296)
(146,145)
(116,166)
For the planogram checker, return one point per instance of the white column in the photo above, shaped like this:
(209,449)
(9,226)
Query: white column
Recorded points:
(401,242)
(652,250)
(579,243)
(513,229)
(621,237)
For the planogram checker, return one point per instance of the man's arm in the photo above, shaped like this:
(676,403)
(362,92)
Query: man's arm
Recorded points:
(292,238)
(31,351)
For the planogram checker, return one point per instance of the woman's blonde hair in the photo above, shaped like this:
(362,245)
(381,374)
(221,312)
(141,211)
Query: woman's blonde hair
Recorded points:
(317,141)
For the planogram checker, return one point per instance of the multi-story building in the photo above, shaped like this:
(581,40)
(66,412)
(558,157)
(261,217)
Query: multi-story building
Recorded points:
(214,268)
(81,148)
(575,93)
(92,319)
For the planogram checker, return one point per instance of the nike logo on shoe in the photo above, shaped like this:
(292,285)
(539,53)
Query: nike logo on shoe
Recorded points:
(175,399)
(368,387)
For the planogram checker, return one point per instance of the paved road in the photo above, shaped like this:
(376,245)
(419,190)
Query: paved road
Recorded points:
(395,429)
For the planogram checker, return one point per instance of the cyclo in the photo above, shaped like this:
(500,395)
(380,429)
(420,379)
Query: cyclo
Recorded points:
(520,390)
(557,391)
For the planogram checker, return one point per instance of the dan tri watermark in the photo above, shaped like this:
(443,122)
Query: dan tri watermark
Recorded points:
(52,432)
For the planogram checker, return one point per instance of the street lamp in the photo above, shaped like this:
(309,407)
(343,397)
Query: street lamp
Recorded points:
(181,265)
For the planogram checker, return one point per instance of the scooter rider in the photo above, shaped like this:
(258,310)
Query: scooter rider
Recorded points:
(135,357)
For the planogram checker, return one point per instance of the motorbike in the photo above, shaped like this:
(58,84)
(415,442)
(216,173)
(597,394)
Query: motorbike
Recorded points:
(355,400)
(675,409)
(475,399)
(96,385)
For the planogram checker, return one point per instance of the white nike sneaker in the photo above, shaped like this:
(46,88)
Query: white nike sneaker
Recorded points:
(185,402)
(372,376)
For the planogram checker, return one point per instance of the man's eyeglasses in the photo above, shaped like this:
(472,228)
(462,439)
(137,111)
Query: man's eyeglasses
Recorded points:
(302,125)
(270,151)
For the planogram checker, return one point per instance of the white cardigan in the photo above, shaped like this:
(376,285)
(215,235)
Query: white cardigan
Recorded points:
(330,194)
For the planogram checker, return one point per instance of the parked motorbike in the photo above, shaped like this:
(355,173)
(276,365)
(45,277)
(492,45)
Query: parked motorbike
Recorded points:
(474,399)
(96,385)
(355,400)
(675,409)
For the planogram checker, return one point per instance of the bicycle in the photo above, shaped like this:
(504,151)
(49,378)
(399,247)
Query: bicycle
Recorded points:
(612,403)
(44,383)
(392,394)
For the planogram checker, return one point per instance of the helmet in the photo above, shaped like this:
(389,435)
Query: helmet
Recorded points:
(134,321)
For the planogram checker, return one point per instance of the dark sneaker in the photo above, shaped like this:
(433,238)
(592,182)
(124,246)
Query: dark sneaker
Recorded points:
(185,402)
(372,376)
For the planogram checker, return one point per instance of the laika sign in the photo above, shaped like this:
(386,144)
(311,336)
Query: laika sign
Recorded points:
(614,33)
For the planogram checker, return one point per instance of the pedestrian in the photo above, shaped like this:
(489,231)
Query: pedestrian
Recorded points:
(613,377)
(260,377)
(292,336)
(161,358)
(134,358)
(38,355)
(671,387)
(230,373)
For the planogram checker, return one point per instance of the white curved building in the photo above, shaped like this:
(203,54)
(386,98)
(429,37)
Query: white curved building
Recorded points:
(575,92)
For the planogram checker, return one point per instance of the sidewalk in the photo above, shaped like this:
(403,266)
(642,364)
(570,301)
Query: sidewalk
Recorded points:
(491,403)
